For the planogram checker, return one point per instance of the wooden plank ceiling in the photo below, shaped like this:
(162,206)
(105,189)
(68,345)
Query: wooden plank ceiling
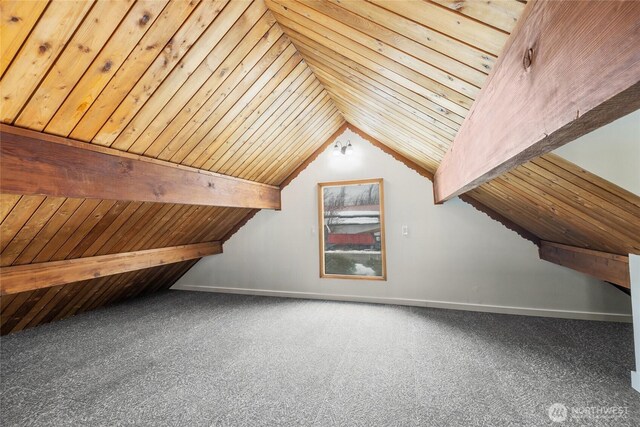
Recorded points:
(214,85)
(252,89)
(406,72)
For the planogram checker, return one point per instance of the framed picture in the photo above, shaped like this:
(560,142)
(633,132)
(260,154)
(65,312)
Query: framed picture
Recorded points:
(351,229)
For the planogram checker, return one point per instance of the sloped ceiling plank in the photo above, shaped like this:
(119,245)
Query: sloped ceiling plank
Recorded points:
(262,45)
(196,149)
(133,85)
(113,55)
(433,62)
(323,55)
(321,16)
(394,138)
(297,134)
(21,17)
(293,75)
(395,154)
(91,35)
(456,26)
(499,14)
(262,129)
(192,91)
(7,202)
(298,114)
(279,136)
(236,106)
(374,102)
(47,229)
(281,166)
(440,42)
(446,99)
(560,202)
(29,309)
(363,85)
(329,141)
(584,179)
(47,39)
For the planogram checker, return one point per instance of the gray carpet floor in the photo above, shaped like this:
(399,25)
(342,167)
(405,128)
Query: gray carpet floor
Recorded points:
(187,359)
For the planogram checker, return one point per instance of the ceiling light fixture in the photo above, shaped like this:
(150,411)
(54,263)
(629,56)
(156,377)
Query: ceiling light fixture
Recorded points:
(340,148)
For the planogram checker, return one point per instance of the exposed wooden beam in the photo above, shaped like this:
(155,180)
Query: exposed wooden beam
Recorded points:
(35,163)
(30,277)
(602,265)
(567,69)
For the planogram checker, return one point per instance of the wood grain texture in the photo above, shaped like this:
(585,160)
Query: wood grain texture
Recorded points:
(18,18)
(558,201)
(407,72)
(196,83)
(25,310)
(314,155)
(199,87)
(406,161)
(602,265)
(87,228)
(253,90)
(569,68)
(71,170)
(45,42)
(23,278)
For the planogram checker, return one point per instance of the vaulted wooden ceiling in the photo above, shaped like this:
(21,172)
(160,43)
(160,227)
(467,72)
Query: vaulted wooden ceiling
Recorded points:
(406,72)
(211,84)
(252,89)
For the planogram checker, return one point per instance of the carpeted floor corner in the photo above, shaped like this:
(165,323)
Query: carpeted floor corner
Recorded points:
(188,359)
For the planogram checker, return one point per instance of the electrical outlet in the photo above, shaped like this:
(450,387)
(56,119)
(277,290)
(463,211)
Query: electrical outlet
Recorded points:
(405,230)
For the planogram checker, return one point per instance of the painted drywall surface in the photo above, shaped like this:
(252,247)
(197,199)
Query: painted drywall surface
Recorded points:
(612,152)
(453,253)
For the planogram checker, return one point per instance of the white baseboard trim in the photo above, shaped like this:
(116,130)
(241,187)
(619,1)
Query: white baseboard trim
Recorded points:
(563,314)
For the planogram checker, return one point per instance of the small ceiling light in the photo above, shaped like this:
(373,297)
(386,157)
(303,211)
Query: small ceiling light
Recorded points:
(349,149)
(340,148)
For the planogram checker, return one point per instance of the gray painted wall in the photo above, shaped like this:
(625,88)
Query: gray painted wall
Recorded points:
(612,152)
(454,256)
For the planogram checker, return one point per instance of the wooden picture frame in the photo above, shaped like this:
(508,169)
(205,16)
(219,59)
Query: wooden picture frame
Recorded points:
(351,234)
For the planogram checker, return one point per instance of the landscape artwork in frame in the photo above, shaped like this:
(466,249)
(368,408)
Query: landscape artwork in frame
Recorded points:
(352,230)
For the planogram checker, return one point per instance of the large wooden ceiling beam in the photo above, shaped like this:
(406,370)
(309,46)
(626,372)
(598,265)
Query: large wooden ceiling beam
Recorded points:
(567,69)
(35,163)
(602,265)
(22,278)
